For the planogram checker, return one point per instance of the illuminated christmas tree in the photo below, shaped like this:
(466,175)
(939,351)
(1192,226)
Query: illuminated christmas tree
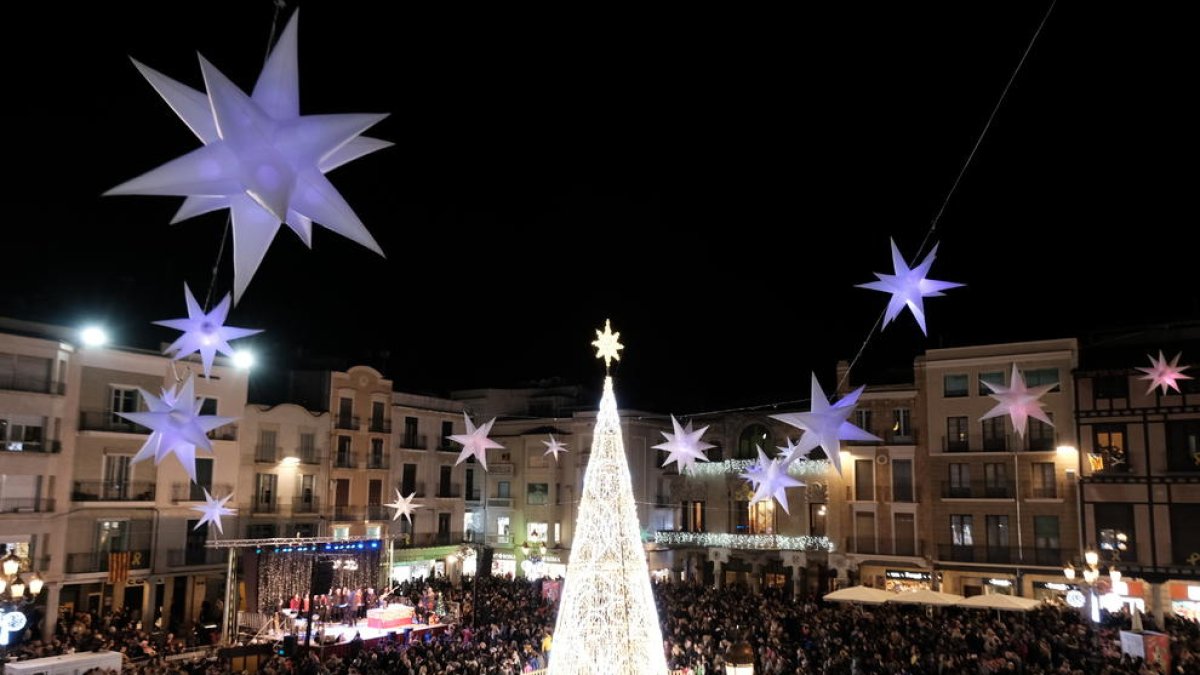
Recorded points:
(607,621)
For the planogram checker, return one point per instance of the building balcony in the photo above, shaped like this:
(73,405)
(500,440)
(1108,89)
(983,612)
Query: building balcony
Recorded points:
(449,492)
(380,461)
(228,432)
(348,422)
(378,512)
(26,505)
(266,454)
(264,505)
(446,445)
(428,539)
(1051,491)
(106,420)
(33,447)
(377,426)
(97,561)
(500,539)
(663,501)
(978,490)
(501,469)
(310,505)
(474,497)
(766,542)
(1004,555)
(413,442)
(887,494)
(196,557)
(893,547)
(33,385)
(500,502)
(1003,443)
(190,492)
(345,512)
(113,491)
(345,460)
(309,456)
(412,488)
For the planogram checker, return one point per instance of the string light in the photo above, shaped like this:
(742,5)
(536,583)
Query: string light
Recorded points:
(811,467)
(757,542)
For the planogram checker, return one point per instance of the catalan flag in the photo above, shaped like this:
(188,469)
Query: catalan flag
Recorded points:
(118,567)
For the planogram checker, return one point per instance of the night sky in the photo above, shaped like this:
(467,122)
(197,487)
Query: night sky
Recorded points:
(715,182)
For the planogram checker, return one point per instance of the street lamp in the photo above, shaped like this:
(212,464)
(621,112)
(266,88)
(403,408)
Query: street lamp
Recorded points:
(15,595)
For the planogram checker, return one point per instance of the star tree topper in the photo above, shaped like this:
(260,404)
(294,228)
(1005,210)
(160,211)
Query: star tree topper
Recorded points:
(177,425)
(684,446)
(774,483)
(404,506)
(213,509)
(475,441)
(1164,375)
(909,286)
(608,345)
(1019,402)
(553,446)
(261,158)
(204,333)
(825,425)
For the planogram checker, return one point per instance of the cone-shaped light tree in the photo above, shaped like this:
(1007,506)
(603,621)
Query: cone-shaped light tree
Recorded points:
(607,620)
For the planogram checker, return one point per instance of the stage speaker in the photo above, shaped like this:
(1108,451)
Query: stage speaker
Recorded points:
(484,566)
(289,646)
(322,577)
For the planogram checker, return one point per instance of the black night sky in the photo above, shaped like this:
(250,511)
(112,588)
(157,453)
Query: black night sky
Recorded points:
(714,181)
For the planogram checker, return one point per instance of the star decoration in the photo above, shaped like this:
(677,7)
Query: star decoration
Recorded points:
(792,452)
(261,158)
(608,345)
(755,472)
(475,442)
(1018,402)
(774,483)
(177,425)
(553,446)
(1164,375)
(204,333)
(213,509)
(404,506)
(825,425)
(909,286)
(684,446)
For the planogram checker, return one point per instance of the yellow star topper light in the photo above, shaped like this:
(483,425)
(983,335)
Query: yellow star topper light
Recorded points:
(608,345)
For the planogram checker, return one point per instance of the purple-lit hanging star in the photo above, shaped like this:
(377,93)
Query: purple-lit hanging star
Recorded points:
(475,441)
(1164,375)
(1018,402)
(825,425)
(213,509)
(755,472)
(261,158)
(909,286)
(177,426)
(684,447)
(553,446)
(792,452)
(204,333)
(774,483)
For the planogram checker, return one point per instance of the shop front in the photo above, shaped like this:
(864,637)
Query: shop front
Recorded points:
(417,569)
(1058,591)
(1185,599)
(504,564)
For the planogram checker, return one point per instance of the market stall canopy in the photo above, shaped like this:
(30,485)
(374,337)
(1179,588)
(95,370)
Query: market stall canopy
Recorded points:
(863,594)
(925,596)
(1001,602)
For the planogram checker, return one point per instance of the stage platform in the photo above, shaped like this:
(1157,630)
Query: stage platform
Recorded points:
(340,633)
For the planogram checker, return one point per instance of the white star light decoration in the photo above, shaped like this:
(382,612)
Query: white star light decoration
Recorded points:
(792,452)
(261,158)
(475,442)
(213,509)
(909,286)
(1164,375)
(608,345)
(825,425)
(1018,402)
(553,446)
(774,482)
(204,333)
(177,425)
(404,506)
(755,472)
(684,446)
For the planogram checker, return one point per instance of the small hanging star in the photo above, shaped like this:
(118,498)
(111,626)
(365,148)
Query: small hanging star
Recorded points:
(684,446)
(204,332)
(774,483)
(177,425)
(755,472)
(553,446)
(213,509)
(792,452)
(909,286)
(1164,375)
(404,506)
(608,345)
(475,441)
(1019,402)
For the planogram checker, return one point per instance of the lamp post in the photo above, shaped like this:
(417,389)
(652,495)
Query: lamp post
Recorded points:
(1091,573)
(16,594)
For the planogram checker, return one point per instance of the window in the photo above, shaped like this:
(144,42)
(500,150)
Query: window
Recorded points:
(901,424)
(997,539)
(472,493)
(444,488)
(122,399)
(341,494)
(112,535)
(995,481)
(536,532)
(956,434)
(193,547)
(378,459)
(264,492)
(955,386)
(864,531)
(862,419)
(864,480)
(410,432)
(905,535)
(902,480)
(1114,530)
(118,474)
(342,531)
(751,437)
(345,411)
(1109,444)
(537,494)
(504,489)
(408,479)
(1041,435)
(1037,377)
(374,492)
(443,528)
(377,415)
(960,481)
(557,532)
(1183,446)
(345,459)
(1110,386)
(994,437)
(308,447)
(306,494)
(995,378)
(761,517)
(447,432)
(1045,540)
(817,517)
(692,517)
(208,405)
(374,531)
(961,530)
(204,476)
(1044,484)
(266,446)
(1185,536)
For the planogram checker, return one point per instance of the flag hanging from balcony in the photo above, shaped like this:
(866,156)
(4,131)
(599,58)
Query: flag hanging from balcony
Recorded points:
(118,567)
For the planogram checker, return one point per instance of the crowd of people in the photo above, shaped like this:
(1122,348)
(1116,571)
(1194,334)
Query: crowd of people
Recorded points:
(509,631)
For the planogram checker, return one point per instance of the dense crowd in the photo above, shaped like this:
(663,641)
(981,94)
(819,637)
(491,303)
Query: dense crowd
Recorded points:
(509,632)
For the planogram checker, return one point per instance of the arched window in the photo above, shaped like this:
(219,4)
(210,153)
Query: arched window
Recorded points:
(753,435)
